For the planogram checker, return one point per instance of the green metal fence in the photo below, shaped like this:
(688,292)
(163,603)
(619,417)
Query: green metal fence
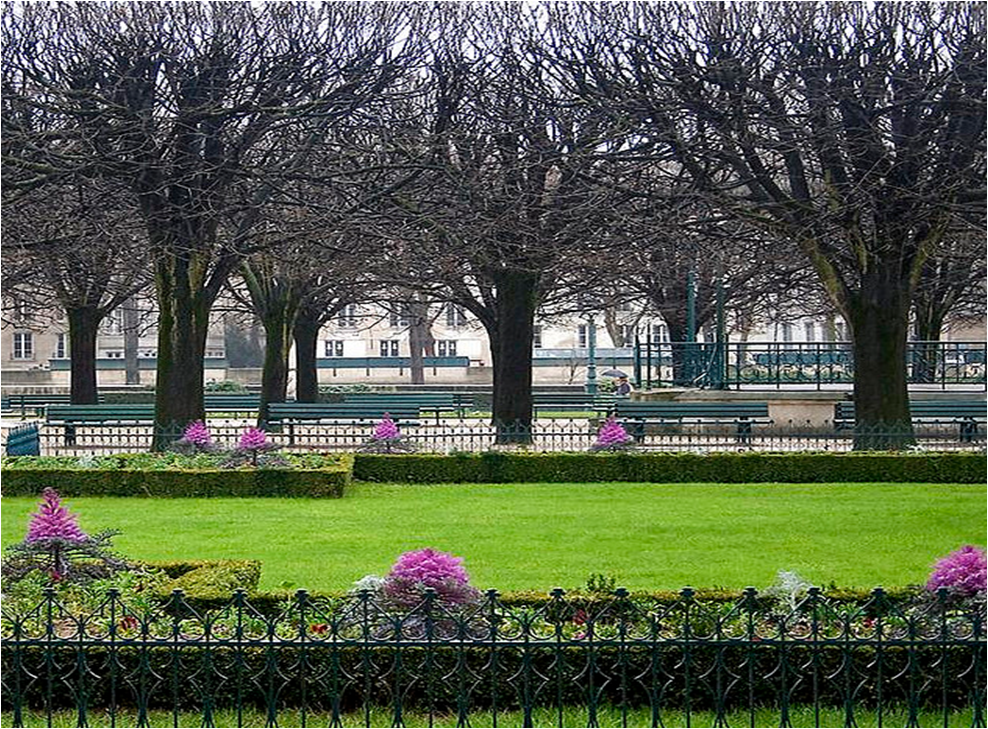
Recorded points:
(727,365)
(486,660)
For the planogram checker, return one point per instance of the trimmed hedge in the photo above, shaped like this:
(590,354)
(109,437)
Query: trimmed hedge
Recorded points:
(272,603)
(328,482)
(213,580)
(749,467)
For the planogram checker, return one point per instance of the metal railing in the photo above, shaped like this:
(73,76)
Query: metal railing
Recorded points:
(445,435)
(362,661)
(815,365)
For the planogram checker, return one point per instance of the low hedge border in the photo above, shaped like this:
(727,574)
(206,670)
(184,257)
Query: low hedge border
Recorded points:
(211,580)
(749,467)
(274,602)
(281,482)
(210,584)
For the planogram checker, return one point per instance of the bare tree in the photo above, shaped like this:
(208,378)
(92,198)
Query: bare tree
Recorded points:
(181,101)
(500,225)
(80,245)
(856,131)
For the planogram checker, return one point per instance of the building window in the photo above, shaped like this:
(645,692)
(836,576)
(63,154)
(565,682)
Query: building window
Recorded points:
(840,331)
(389,347)
(333,348)
(153,353)
(787,332)
(581,336)
(114,354)
(23,345)
(217,353)
(61,346)
(537,336)
(810,329)
(348,316)
(660,333)
(446,348)
(455,316)
(627,335)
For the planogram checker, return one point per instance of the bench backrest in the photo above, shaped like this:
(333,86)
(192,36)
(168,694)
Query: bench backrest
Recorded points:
(100,413)
(645,409)
(927,409)
(24,441)
(400,399)
(339,411)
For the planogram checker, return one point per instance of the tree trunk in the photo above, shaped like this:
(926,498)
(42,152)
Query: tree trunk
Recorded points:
(878,316)
(926,359)
(182,326)
(511,346)
(278,322)
(420,339)
(83,331)
(306,335)
(131,337)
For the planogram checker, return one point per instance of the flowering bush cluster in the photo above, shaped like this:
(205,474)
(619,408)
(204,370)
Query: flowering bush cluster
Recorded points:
(414,572)
(612,437)
(963,572)
(387,438)
(251,446)
(195,439)
(58,548)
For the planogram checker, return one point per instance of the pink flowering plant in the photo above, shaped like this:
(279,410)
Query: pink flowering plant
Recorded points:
(962,572)
(404,587)
(57,547)
(387,438)
(612,437)
(196,438)
(254,449)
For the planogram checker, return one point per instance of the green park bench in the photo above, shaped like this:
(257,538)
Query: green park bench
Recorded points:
(429,402)
(291,414)
(34,403)
(23,441)
(572,401)
(636,415)
(69,417)
(967,414)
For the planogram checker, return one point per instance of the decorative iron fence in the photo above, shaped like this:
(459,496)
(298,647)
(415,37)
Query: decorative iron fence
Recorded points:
(362,660)
(726,365)
(447,435)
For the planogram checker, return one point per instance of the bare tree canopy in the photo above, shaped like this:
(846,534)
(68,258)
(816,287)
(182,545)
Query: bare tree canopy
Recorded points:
(855,131)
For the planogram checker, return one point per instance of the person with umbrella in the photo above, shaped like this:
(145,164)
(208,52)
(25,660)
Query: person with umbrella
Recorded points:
(623,387)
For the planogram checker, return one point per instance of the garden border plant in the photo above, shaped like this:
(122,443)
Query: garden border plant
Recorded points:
(173,475)
(748,467)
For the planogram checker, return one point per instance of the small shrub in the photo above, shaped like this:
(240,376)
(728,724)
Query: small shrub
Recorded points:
(195,439)
(612,437)
(387,438)
(254,449)
(963,572)
(421,569)
(55,546)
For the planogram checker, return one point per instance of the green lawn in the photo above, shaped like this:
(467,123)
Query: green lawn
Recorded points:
(540,536)
(607,716)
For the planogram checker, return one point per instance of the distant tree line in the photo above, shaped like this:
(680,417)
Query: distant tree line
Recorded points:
(511,159)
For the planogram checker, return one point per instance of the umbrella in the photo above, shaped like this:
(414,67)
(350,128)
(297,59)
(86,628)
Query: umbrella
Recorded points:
(613,373)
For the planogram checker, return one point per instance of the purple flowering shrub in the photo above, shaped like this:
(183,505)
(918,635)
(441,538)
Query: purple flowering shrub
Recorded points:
(387,438)
(254,449)
(612,437)
(195,439)
(963,572)
(58,548)
(405,585)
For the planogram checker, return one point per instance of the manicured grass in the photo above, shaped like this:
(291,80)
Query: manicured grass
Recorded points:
(607,716)
(538,536)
